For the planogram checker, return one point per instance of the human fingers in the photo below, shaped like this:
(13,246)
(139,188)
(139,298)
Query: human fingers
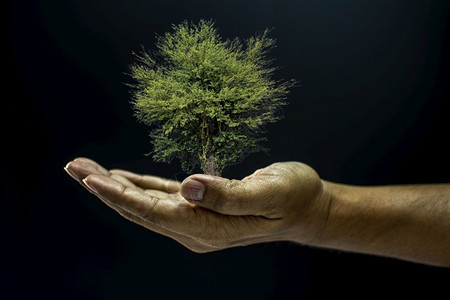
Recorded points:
(157,210)
(85,171)
(253,196)
(81,167)
(186,241)
(181,218)
(150,182)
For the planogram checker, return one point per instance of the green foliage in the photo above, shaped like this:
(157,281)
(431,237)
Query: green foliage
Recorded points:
(206,98)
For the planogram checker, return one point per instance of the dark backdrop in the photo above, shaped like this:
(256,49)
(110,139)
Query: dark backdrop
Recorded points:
(372,109)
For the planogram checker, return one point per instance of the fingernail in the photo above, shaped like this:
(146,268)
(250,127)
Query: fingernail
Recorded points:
(92,189)
(66,167)
(193,190)
(67,170)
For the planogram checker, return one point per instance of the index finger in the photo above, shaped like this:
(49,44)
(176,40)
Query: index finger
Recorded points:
(161,211)
(177,217)
(149,181)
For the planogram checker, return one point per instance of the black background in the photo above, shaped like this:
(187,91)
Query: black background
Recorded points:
(372,109)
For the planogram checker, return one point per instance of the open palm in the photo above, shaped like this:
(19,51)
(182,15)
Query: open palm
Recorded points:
(158,205)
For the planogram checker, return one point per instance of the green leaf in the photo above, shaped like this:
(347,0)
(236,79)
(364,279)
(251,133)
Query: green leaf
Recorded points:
(206,99)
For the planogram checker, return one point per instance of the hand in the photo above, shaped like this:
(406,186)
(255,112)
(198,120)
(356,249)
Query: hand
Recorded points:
(283,201)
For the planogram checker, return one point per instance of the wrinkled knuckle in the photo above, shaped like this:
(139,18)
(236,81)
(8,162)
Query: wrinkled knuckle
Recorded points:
(147,212)
(123,191)
(223,195)
(232,191)
(172,186)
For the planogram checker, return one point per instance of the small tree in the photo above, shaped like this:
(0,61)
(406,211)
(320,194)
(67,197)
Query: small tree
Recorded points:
(207,99)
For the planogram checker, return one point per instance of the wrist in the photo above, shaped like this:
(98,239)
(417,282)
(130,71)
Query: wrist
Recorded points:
(313,219)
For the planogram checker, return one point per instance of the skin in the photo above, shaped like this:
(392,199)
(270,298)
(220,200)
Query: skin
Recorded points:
(283,202)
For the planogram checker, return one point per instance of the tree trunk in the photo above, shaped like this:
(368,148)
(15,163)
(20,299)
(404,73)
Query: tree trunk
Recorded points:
(210,166)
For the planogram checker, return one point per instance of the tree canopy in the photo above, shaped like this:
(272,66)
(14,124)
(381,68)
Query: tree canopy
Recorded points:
(206,99)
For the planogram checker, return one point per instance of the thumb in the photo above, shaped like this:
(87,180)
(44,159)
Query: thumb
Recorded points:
(231,197)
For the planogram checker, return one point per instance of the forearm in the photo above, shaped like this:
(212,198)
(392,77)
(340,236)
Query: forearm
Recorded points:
(406,222)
